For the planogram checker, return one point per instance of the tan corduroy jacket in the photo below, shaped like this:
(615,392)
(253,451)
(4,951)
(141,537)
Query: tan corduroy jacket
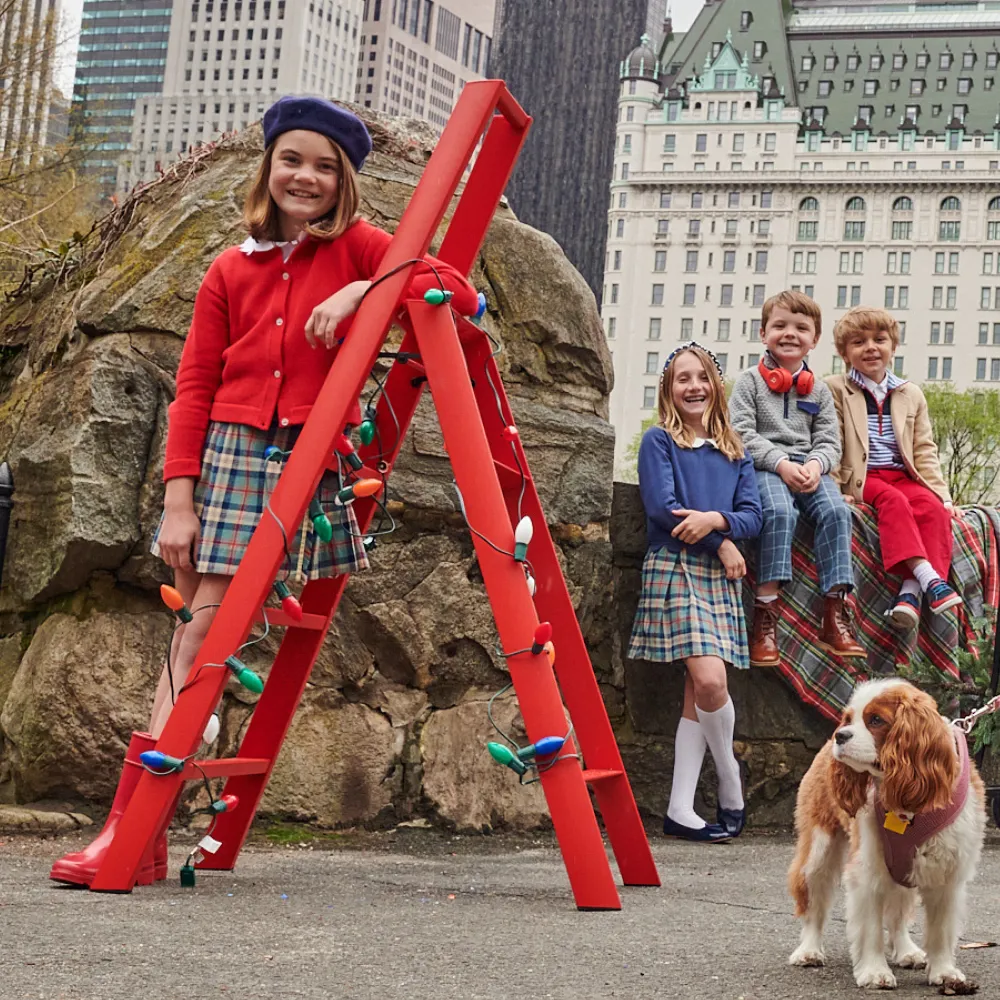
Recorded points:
(910,423)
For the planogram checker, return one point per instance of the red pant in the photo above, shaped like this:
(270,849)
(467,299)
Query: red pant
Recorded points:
(913,522)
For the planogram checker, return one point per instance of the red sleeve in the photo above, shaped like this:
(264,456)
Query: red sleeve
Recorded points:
(465,300)
(198,378)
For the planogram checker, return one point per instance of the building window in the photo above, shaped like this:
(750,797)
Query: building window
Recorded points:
(807,64)
(725,295)
(648,397)
(770,142)
(620,228)
(890,293)
(652,363)
(946,369)
(932,368)
(689,295)
(854,230)
(691,261)
(897,365)
(992,233)
(903,204)
(729,260)
(662,227)
(655,326)
(765,199)
(995,369)
(659,260)
(875,61)
(951,204)
(664,199)
(687,328)
(614,294)
(902,231)
(841,296)
(984,333)
(701,142)
(657,298)
(980,369)
(724,326)
(760,262)
(612,322)
(949,230)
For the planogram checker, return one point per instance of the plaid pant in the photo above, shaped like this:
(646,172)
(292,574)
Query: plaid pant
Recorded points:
(831,518)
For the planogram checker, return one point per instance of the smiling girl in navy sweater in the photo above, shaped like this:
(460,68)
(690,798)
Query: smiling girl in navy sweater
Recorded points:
(262,340)
(700,495)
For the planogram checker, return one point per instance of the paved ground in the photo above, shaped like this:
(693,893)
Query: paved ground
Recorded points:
(419,915)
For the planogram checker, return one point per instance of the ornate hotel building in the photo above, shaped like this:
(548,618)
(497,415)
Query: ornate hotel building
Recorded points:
(849,150)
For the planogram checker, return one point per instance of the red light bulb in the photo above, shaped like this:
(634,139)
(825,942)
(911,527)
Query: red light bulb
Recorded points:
(290,605)
(509,433)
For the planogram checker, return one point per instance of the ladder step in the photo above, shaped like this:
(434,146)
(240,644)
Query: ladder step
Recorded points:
(277,618)
(195,769)
(509,476)
(591,775)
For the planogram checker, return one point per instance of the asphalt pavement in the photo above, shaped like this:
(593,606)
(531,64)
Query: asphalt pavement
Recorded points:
(418,914)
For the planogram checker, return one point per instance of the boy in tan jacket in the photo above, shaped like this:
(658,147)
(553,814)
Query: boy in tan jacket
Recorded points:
(890,461)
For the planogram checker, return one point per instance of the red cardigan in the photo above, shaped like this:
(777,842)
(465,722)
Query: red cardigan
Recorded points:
(246,356)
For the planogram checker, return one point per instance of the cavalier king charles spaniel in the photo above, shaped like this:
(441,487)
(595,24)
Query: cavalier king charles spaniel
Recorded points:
(894,802)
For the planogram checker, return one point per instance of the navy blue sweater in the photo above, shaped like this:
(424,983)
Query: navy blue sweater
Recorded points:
(674,478)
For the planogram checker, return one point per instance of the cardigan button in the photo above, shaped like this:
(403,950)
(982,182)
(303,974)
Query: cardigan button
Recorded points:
(279,321)
(858,482)
(284,423)
(284,277)
(277,374)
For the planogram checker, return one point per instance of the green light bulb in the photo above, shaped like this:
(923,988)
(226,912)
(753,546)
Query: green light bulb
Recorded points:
(367,431)
(250,680)
(503,755)
(320,521)
(435,297)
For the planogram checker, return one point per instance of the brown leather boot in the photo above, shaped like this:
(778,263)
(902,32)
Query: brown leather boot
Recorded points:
(764,643)
(838,635)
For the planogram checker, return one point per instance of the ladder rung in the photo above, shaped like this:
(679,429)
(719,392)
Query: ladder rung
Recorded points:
(591,775)
(277,618)
(225,766)
(509,477)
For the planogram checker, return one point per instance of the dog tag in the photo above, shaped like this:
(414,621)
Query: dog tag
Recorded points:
(895,824)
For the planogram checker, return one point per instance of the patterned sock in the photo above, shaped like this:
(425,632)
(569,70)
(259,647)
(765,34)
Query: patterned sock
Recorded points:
(689,753)
(924,573)
(910,586)
(718,727)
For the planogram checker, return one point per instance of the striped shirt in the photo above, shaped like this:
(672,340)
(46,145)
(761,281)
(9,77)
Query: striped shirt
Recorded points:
(883,450)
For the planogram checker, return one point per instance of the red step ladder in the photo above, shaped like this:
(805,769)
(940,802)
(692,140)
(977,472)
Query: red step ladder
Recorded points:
(453,358)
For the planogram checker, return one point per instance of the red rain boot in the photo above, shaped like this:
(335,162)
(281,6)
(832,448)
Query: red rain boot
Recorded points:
(80,868)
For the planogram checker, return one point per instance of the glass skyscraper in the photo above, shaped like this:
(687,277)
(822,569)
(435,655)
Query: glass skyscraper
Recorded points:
(122,58)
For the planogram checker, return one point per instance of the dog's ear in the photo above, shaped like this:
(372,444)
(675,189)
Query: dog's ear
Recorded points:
(918,757)
(849,787)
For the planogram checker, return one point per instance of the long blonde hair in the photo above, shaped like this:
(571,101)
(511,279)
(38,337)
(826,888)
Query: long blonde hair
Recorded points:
(261,215)
(716,419)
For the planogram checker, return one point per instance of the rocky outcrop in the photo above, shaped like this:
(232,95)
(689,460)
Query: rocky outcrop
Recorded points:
(393,722)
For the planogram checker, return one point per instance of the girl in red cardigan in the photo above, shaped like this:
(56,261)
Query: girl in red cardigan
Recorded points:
(261,342)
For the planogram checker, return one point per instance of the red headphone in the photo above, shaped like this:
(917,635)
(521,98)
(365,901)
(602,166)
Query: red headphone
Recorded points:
(780,379)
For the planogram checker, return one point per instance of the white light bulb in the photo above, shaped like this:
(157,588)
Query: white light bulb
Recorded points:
(211,733)
(532,587)
(522,535)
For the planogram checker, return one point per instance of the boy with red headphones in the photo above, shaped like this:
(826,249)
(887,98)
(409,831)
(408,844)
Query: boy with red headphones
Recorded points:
(789,426)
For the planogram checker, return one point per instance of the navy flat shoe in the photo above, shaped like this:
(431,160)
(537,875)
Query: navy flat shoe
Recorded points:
(708,834)
(732,820)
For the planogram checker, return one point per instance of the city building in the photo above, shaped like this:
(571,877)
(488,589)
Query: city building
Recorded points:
(28,42)
(558,60)
(850,150)
(416,55)
(121,60)
(227,61)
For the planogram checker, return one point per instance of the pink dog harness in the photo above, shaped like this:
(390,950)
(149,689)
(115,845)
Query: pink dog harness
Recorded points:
(900,849)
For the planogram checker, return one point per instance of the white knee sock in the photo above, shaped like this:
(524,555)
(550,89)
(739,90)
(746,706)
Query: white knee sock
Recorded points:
(689,752)
(910,586)
(924,573)
(718,728)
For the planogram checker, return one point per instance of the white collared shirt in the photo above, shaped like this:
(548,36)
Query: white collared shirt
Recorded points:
(287,247)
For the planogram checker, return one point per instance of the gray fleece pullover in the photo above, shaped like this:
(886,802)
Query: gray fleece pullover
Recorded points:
(776,425)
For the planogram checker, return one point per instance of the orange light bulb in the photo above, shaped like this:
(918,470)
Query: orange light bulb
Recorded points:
(171,598)
(550,652)
(367,487)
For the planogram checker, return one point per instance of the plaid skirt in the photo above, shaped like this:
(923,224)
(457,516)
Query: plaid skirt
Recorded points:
(688,608)
(230,499)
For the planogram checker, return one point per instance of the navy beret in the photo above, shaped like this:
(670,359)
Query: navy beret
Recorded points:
(313,114)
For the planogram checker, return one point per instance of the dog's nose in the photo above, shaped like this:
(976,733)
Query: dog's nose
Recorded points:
(842,737)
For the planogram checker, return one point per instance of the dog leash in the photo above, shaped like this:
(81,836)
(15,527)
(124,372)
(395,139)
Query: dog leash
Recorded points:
(967,722)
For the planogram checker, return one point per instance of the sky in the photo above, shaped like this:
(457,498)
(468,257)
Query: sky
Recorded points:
(684,12)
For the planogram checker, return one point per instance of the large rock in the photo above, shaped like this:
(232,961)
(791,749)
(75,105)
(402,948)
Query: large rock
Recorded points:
(463,783)
(88,363)
(81,689)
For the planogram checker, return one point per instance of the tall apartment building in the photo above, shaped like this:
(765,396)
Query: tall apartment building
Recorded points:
(417,55)
(558,59)
(850,150)
(227,61)
(122,60)
(29,37)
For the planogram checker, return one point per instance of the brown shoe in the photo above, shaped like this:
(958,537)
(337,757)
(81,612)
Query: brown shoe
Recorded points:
(838,635)
(764,644)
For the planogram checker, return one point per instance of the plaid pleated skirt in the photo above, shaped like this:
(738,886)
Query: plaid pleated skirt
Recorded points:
(231,496)
(688,608)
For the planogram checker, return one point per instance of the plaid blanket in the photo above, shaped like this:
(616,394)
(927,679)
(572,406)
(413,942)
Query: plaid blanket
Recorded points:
(826,682)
